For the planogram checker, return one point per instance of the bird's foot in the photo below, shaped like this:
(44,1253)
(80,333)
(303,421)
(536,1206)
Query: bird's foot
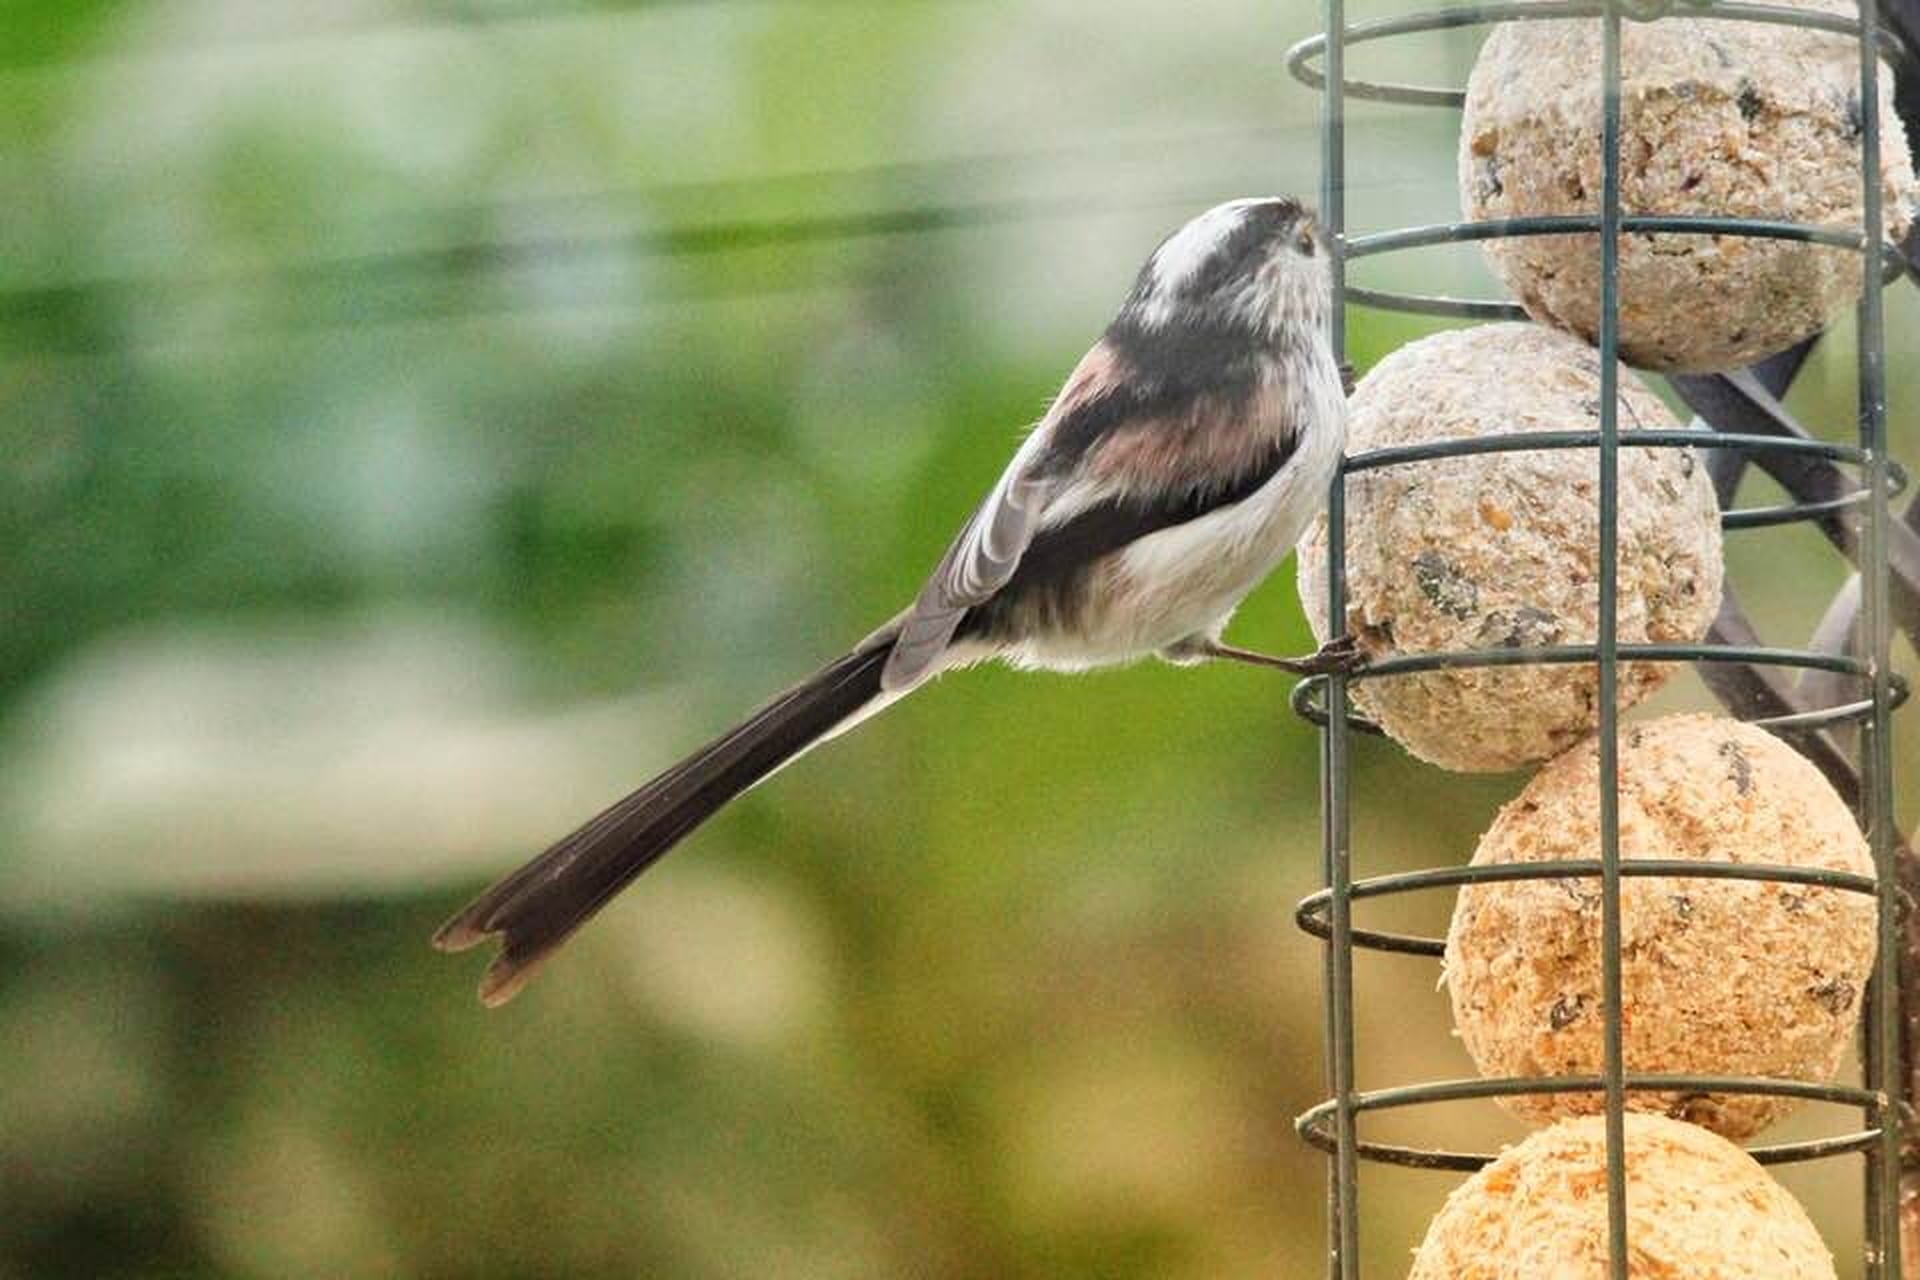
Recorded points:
(1337,657)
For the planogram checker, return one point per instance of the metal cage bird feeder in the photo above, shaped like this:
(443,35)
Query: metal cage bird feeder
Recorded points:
(1845,489)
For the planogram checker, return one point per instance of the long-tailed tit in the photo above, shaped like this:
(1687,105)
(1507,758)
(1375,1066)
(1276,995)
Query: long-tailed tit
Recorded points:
(1180,463)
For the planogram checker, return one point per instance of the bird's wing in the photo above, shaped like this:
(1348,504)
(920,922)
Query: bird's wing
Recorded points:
(983,558)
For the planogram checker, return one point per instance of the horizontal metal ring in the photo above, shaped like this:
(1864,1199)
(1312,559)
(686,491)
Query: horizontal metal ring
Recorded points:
(1893,262)
(1434,304)
(1589,438)
(1313,1124)
(1561,224)
(1308,697)
(1311,916)
(1793,512)
(1569,654)
(1303,57)
(1470,1162)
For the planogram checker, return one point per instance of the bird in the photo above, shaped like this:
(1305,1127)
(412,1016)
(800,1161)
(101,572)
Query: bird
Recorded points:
(1180,462)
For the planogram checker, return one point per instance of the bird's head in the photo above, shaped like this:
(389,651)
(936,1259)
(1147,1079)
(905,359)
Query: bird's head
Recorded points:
(1260,263)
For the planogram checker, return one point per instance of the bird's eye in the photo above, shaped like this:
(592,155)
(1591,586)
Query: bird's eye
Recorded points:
(1304,243)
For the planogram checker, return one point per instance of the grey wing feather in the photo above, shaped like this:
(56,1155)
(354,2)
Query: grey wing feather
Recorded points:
(980,562)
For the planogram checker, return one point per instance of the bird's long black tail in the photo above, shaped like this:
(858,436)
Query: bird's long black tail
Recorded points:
(538,907)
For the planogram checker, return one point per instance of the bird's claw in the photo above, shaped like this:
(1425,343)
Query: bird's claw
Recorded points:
(1339,657)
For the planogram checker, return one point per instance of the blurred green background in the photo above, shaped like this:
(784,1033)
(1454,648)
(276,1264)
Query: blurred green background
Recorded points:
(424,420)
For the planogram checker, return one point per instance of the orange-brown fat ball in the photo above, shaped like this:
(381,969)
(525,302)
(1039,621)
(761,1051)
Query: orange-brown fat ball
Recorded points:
(1726,119)
(1698,1208)
(1719,977)
(1500,550)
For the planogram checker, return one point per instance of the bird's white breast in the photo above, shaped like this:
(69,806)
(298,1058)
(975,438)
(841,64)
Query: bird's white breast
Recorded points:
(1187,580)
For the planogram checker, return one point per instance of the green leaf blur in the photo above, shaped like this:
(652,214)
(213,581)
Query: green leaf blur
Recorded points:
(425,420)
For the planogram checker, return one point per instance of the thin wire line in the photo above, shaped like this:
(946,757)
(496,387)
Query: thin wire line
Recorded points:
(422,269)
(708,235)
(24,63)
(1608,642)
(1883,1021)
(385,270)
(1343,1261)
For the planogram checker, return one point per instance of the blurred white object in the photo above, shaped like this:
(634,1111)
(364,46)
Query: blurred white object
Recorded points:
(243,760)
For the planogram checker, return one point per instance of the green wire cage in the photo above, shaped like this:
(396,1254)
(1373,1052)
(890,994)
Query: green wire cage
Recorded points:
(1844,489)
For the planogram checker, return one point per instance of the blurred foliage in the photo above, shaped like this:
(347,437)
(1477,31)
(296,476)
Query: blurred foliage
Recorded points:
(425,420)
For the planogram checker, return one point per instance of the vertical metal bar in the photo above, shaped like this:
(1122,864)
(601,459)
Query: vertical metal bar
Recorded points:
(1608,640)
(1344,1221)
(1883,1013)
